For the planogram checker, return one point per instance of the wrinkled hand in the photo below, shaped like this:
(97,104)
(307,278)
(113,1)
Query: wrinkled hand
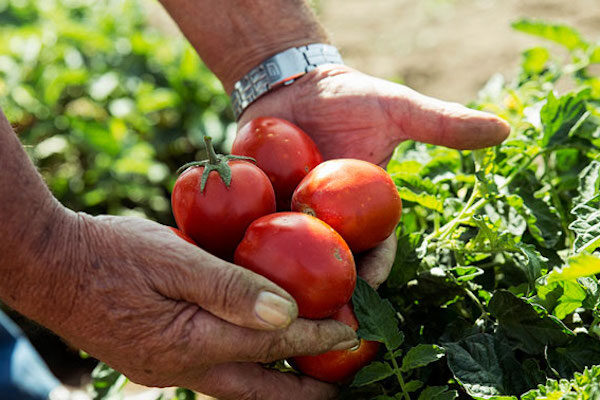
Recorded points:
(166,313)
(353,115)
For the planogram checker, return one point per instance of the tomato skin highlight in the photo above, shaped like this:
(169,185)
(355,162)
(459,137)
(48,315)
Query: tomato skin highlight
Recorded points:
(339,365)
(217,218)
(356,198)
(304,256)
(281,149)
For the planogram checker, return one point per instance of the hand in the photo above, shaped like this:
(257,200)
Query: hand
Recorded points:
(166,313)
(353,115)
(350,114)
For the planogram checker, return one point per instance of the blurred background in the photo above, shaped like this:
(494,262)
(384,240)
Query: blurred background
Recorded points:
(109,99)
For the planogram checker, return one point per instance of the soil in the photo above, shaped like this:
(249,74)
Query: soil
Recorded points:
(445,48)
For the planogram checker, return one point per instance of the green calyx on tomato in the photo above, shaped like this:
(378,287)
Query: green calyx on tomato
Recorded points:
(216,162)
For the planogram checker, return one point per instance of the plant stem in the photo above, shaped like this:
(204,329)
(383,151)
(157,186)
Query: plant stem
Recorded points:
(212,155)
(398,374)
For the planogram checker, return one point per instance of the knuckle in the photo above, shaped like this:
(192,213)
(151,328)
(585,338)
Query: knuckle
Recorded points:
(230,288)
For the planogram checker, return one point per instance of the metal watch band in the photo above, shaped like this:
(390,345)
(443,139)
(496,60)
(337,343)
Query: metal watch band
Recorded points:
(281,69)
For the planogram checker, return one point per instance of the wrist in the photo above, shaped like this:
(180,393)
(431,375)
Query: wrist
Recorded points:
(233,69)
(39,276)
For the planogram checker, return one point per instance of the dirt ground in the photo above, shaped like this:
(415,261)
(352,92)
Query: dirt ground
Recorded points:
(445,48)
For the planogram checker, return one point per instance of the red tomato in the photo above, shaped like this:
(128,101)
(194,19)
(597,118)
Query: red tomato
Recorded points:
(282,150)
(182,235)
(356,198)
(217,217)
(304,256)
(339,366)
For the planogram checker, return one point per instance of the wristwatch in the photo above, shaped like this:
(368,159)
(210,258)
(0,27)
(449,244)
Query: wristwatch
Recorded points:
(281,69)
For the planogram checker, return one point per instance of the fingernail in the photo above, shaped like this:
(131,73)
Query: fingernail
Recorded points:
(274,310)
(348,344)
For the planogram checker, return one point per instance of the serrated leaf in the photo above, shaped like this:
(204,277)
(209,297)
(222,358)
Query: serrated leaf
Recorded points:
(376,316)
(531,328)
(587,225)
(561,34)
(421,355)
(374,372)
(485,366)
(438,393)
(560,115)
(589,182)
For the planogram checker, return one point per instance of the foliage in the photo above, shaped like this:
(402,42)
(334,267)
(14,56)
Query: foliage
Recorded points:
(496,263)
(108,105)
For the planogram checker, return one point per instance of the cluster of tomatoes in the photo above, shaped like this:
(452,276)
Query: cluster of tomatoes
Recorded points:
(273,206)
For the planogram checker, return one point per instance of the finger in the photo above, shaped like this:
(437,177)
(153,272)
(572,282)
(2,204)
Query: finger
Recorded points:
(218,341)
(230,292)
(434,121)
(236,381)
(374,266)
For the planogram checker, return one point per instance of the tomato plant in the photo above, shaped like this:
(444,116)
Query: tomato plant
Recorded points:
(282,150)
(339,366)
(358,199)
(304,256)
(214,201)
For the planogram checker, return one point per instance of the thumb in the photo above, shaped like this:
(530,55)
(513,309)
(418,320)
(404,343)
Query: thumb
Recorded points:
(230,292)
(434,121)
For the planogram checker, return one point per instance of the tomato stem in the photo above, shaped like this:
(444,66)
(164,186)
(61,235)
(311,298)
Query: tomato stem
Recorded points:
(212,155)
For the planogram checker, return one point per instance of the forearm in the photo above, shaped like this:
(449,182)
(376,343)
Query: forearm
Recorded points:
(32,222)
(233,36)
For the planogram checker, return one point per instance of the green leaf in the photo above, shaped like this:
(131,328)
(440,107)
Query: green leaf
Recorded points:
(107,383)
(374,372)
(536,263)
(583,352)
(534,60)
(560,115)
(561,34)
(438,393)
(579,266)
(563,297)
(589,182)
(587,225)
(532,328)
(484,366)
(421,355)
(376,316)
(406,262)
(419,190)
(412,386)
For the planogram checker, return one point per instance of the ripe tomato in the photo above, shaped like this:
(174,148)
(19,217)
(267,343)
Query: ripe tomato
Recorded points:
(356,198)
(214,211)
(304,256)
(339,366)
(282,150)
(182,235)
